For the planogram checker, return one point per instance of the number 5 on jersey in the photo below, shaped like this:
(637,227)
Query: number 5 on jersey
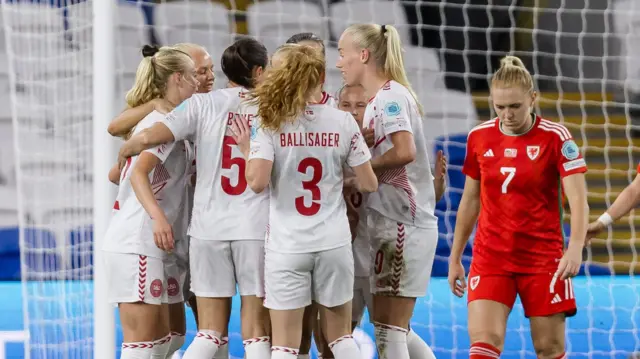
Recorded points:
(228,161)
(510,172)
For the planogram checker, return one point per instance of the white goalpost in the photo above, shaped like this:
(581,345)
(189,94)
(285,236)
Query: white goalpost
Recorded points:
(65,66)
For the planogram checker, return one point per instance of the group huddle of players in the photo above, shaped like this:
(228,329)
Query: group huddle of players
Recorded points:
(313,208)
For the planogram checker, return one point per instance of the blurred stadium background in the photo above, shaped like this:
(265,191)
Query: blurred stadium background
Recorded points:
(583,55)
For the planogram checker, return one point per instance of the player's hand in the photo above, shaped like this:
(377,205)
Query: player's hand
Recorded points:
(163,234)
(241,134)
(122,161)
(441,166)
(161,105)
(569,265)
(595,228)
(369,136)
(456,277)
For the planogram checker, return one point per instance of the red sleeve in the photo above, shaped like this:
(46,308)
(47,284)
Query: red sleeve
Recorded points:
(569,158)
(471,166)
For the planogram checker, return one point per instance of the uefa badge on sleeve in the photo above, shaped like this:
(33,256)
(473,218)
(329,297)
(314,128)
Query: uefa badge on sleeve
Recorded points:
(254,131)
(392,109)
(570,150)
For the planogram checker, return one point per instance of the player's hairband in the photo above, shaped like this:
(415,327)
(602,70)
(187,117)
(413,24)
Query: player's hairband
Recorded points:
(383,28)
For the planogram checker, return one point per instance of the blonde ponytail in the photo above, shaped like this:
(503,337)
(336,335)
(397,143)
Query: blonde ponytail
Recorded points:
(154,72)
(512,73)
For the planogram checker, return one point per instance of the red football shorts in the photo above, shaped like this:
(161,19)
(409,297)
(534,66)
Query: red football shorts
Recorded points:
(540,293)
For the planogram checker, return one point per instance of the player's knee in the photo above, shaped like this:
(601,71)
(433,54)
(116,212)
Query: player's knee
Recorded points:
(490,337)
(548,346)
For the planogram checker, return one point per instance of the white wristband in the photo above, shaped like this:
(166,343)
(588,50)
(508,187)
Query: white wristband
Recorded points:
(605,219)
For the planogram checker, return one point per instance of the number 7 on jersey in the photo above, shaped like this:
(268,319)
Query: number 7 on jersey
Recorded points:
(510,172)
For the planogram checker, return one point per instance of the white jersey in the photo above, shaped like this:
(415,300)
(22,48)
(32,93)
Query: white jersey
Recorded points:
(307,209)
(405,194)
(181,226)
(130,229)
(224,207)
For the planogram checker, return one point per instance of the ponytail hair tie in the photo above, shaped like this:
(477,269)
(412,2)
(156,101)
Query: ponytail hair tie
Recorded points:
(383,28)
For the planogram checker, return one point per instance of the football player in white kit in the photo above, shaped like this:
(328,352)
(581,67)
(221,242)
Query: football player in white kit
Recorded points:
(150,196)
(122,126)
(403,228)
(298,149)
(229,221)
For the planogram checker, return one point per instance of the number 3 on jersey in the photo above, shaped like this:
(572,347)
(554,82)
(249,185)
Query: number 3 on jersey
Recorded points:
(228,161)
(310,166)
(510,172)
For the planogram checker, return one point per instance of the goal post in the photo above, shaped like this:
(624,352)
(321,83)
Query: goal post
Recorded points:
(104,150)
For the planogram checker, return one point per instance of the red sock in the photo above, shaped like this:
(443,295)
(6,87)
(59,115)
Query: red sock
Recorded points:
(483,351)
(561,356)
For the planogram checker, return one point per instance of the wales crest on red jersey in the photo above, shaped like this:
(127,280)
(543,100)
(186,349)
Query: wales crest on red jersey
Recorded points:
(533,152)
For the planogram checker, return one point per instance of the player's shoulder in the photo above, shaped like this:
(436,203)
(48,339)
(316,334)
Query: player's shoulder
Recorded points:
(331,114)
(483,129)
(553,129)
(328,100)
(393,91)
(149,120)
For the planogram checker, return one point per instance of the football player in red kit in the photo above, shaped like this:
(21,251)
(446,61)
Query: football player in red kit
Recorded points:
(517,166)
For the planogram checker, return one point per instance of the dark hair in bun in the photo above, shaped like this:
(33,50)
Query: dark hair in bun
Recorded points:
(239,60)
(149,50)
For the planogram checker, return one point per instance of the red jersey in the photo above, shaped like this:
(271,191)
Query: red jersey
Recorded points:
(520,223)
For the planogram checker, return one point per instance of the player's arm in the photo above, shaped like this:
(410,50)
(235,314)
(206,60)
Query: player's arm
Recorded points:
(440,171)
(147,161)
(179,124)
(468,212)
(359,158)
(128,119)
(575,189)
(627,200)
(397,126)
(131,116)
(114,174)
(260,156)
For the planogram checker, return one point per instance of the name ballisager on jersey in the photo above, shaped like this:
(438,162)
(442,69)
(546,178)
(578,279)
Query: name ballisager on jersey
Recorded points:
(310,139)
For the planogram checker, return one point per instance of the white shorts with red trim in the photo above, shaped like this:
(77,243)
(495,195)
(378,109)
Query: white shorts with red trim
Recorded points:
(135,278)
(401,257)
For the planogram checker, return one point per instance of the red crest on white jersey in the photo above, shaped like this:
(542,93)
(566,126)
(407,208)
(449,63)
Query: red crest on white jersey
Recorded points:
(533,152)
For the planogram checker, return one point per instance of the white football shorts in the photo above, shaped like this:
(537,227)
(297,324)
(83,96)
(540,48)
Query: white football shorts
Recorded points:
(217,266)
(401,257)
(182,261)
(362,298)
(135,278)
(175,272)
(293,280)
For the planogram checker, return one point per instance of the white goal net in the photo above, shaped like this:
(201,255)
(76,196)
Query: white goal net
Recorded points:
(583,55)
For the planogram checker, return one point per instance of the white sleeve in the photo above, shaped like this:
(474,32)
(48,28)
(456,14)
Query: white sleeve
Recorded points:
(394,114)
(183,120)
(358,151)
(261,143)
(162,151)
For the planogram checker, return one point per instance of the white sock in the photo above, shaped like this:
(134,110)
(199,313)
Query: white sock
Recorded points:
(391,342)
(345,347)
(284,353)
(305,356)
(205,345)
(139,350)
(177,341)
(257,348)
(223,350)
(418,349)
(161,347)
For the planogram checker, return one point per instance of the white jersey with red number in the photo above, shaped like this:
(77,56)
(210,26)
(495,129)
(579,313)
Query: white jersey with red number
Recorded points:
(307,210)
(406,194)
(130,229)
(361,247)
(224,207)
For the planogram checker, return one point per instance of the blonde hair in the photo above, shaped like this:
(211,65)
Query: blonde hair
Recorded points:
(189,48)
(283,93)
(512,73)
(154,71)
(384,44)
